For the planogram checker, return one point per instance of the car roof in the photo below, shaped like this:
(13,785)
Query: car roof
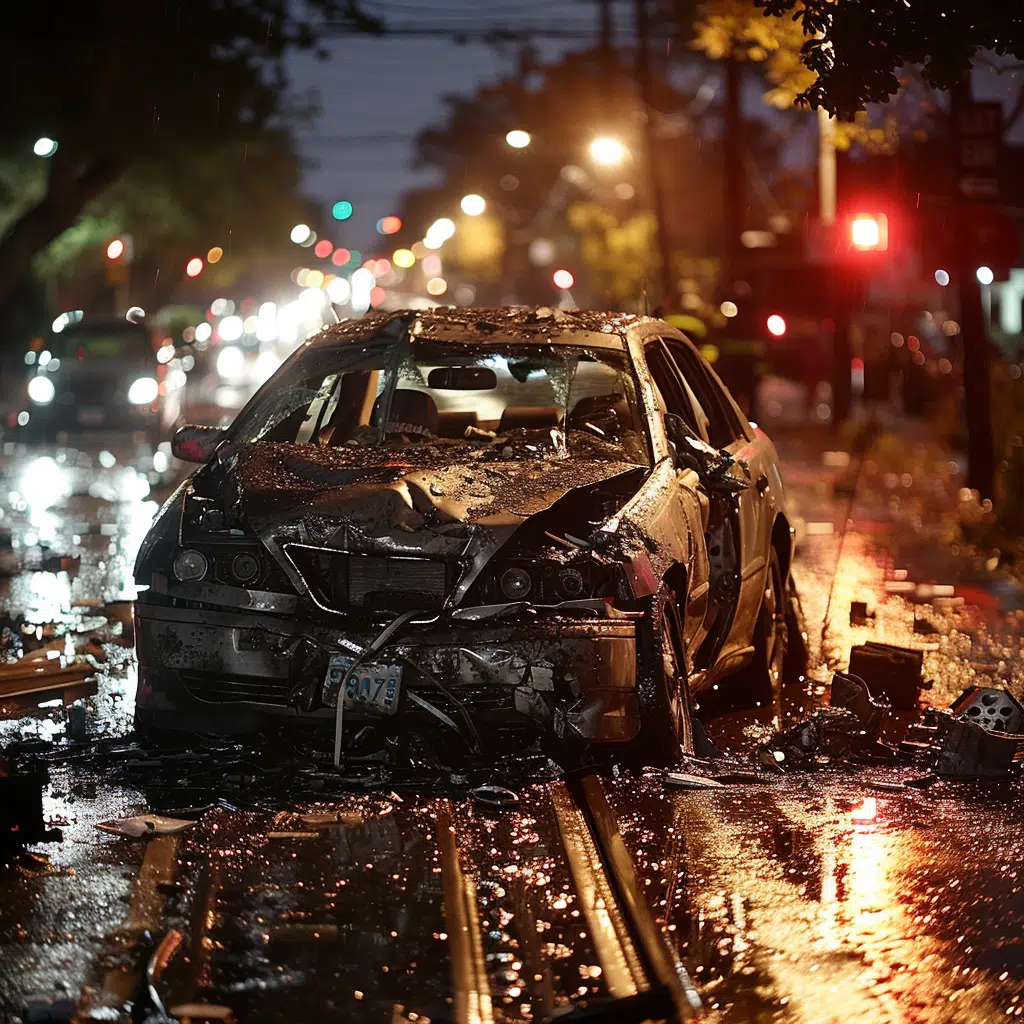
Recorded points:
(478,326)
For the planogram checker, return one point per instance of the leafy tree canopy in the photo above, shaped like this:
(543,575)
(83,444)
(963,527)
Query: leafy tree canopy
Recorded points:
(180,106)
(855,48)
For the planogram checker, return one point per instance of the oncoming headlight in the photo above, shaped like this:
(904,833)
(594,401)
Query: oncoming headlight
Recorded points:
(143,391)
(190,566)
(41,390)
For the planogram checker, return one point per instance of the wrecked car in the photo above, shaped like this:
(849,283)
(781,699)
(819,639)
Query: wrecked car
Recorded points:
(488,522)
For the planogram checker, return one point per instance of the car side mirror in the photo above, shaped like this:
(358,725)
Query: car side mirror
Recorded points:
(194,443)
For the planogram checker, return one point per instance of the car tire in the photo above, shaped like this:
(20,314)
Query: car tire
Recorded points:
(666,708)
(771,636)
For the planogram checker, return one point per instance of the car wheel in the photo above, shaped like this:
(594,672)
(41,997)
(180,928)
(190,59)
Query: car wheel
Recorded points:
(771,636)
(666,713)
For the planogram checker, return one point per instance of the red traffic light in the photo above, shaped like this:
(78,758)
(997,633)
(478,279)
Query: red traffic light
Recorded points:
(869,232)
(115,249)
(776,325)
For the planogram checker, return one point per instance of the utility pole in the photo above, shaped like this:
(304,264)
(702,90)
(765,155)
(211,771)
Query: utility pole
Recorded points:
(645,85)
(732,177)
(976,144)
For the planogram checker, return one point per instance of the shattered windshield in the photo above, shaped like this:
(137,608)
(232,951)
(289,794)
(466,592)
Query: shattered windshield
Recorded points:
(521,400)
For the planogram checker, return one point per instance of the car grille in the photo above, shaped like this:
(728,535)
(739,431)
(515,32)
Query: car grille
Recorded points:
(228,689)
(372,583)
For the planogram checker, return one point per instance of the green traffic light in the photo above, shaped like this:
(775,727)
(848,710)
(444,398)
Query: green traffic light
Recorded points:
(342,210)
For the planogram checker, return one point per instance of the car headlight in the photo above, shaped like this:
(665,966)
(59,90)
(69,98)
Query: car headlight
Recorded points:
(516,583)
(190,566)
(41,390)
(143,391)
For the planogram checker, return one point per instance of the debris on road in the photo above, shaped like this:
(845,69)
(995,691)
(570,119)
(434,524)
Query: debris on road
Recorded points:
(851,692)
(829,732)
(683,781)
(494,796)
(21,810)
(981,734)
(859,614)
(144,825)
(892,672)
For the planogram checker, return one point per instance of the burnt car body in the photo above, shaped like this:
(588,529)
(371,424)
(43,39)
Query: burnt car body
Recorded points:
(503,519)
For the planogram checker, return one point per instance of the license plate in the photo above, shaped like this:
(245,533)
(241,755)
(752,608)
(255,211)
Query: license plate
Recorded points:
(371,686)
(91,417)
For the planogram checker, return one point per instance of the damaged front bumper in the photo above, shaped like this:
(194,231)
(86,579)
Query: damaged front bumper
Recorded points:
(570,669)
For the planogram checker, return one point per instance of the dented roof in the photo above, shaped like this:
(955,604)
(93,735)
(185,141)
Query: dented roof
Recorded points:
(464,325)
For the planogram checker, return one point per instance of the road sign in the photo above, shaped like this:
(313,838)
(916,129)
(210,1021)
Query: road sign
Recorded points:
(979,143)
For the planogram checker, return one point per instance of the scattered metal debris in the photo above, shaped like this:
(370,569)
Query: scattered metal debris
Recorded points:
(494,796)
(144,825)
(980,735)
(683,781)
(859,614)
(892,672)
(851,692)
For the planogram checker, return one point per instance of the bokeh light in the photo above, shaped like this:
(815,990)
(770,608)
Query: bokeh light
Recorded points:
(518,139)
(340,256)
(729,309)
(44,147)
(607,151)
(941,277)
(563,279)
(115,249)
(342,210)
(301,233)
(985,275)
(437,286)
(473,205)
(377,296)
(403,258)
(215,255)
(389,225)
(194,267)
(323,248)
(776,325)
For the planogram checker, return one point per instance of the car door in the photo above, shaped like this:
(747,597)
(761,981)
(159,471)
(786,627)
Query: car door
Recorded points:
(674,397)
(729,431)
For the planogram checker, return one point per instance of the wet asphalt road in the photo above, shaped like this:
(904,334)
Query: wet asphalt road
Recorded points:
(778,902)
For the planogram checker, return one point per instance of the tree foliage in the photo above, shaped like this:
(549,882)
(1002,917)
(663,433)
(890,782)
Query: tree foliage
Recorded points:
(855,48)
(168,115)
(597,219)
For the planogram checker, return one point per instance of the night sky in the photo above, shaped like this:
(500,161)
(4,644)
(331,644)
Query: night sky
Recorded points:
(375,94)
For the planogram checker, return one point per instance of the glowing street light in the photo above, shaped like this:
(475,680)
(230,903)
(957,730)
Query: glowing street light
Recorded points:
(44,147)
(607,152)
(518,139)
(473,205)
(300,233)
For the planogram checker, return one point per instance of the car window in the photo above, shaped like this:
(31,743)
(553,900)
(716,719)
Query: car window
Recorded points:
(724,426)
(676,397)
(526,401)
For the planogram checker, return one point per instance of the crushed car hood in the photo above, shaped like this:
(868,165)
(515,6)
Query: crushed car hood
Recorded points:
(415,501)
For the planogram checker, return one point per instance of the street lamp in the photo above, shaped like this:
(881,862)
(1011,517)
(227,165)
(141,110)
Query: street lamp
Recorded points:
(518,139)
(607,152)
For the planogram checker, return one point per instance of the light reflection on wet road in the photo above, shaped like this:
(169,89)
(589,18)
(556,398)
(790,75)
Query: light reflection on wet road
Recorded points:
(782,907)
